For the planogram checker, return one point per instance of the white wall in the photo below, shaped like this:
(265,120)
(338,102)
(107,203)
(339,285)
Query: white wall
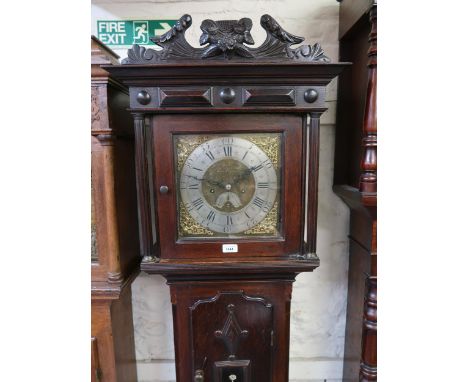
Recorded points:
(319,298)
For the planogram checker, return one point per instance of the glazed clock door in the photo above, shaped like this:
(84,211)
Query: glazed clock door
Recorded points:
(228,185)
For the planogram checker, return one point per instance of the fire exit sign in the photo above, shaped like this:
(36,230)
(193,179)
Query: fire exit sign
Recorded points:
(125,33)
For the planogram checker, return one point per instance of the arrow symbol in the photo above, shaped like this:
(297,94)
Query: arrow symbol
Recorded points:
(164,29)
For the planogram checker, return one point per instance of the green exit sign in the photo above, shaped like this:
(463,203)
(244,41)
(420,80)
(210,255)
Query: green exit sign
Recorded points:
(125,33)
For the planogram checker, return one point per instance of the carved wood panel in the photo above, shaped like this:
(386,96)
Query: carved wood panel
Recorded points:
(226,39)
(244,98)
(232,337)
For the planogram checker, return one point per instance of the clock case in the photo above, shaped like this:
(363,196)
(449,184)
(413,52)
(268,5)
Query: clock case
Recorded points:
(230,310)
(210,249)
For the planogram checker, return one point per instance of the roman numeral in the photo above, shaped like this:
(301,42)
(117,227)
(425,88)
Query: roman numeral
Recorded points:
(246,153)
(258,167)
(262,185)
(210,155)
(258,202)
(246,214)
(197,204)
(211,216)
(227,151)
(228,220)
(193,186)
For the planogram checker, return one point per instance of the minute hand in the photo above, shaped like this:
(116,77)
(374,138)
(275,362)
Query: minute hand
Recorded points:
(242,176)
(247,172)
(212,182)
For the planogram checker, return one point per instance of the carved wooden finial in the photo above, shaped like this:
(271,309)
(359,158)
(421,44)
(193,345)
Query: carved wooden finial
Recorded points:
(226,39)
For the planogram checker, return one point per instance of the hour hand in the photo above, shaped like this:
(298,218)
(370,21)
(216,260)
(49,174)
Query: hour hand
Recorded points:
(215,183)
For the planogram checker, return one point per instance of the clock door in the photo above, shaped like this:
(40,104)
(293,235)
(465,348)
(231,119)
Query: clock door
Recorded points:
(236,343)
(228,185)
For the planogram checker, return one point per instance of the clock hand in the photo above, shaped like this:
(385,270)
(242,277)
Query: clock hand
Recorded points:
(215,183)
(212,182)
(244,174)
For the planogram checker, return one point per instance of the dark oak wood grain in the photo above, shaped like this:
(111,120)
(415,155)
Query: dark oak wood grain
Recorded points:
(143,166)
(262,309)
(312,184)
(185,97)
(269,96)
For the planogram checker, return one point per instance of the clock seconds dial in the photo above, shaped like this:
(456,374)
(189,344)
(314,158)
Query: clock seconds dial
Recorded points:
(228,185)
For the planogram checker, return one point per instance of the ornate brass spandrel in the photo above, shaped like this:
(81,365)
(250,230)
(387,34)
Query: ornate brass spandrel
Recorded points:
(270,144)
(185,144)
(188,226)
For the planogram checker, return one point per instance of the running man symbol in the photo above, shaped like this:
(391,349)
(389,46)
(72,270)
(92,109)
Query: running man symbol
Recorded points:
(140,32)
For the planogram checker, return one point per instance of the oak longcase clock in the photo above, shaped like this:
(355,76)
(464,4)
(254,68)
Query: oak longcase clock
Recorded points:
(226,153)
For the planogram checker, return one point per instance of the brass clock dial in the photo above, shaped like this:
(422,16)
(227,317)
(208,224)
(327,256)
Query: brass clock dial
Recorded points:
(228,185)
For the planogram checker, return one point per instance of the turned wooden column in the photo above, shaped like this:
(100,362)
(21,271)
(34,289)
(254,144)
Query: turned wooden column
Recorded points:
(368,368)
(368,180)
(143,165)
(368,183)
(312,137)
(107,142)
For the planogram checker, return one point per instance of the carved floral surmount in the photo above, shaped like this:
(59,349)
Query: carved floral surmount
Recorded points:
(226,39)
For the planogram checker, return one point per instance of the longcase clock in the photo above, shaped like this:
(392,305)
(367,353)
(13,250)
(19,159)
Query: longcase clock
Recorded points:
(227,143)
(114,226)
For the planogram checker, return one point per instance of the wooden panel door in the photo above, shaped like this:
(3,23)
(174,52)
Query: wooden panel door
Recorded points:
(232,334)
